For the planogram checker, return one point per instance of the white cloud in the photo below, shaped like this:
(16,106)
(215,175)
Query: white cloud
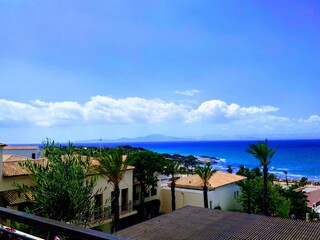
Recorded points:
(188,92)
(313,119)
(219,111)
(107,111)
(99,109)
(130,110)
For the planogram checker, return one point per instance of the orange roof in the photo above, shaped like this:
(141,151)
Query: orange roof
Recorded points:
(11,167)
(218,179)
(15,197)
(21,148)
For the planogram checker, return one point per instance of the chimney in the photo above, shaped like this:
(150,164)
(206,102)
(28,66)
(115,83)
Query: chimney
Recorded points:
(2,145)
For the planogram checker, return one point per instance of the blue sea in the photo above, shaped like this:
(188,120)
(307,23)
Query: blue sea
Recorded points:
(298,157)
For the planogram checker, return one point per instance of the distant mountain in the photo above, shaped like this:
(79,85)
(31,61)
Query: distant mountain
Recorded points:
(151,138)
(165,138)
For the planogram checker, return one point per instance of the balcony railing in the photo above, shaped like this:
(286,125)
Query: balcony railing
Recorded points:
(60,228)
(102,216)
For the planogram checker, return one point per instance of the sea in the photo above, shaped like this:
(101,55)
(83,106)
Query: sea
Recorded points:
(300,158)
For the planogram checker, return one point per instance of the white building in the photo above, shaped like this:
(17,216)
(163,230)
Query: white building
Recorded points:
(222,192)
(32,152)
(11,172)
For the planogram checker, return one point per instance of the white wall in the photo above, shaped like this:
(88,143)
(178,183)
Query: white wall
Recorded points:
(23,152)
(223,196)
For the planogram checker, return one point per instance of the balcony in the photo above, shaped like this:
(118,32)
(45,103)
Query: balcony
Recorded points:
(59,228)
(106,217)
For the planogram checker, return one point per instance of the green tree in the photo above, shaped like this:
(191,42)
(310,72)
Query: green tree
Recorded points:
(61,187)
(246,185)
(299,202)
(264,154)
(245,197)
(303,182)
(171,169)
(112,167)
(148,165)
(229,169)
(205,172)
(252,200)
(243,171)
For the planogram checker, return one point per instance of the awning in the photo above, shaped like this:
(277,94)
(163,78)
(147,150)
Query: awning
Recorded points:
(15,197)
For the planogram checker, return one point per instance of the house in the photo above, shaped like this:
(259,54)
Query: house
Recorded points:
(313,196)
(11,172)
(201,223)
(222,192)
(26,151)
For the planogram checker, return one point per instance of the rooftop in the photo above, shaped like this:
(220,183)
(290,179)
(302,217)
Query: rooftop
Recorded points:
(11,167)
(203,223)
(218,179)
(21,148)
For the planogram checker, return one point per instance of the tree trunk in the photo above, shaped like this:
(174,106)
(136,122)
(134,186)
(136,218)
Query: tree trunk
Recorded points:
(116,211)
(173,196)
(265,191)
(249,198)
(205,196)
(142,196)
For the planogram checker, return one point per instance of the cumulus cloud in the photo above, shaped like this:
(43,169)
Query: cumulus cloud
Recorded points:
(105,110)
(219,111)
(188,92)
(313,119)
(99,109)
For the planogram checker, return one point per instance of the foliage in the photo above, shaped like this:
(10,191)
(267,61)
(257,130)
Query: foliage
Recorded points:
(299,206)
(303,182)
(205,172)
(249,173)
(229,169)
(263,153)
(112,166)
(148,165)
(61,189)
(278,204)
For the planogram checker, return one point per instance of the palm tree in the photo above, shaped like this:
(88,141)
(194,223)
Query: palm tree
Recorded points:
(263,153)
(113,167)
(205,172)
(172,168)
(286,176)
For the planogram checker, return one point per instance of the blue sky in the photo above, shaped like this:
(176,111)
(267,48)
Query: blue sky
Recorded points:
(73,70)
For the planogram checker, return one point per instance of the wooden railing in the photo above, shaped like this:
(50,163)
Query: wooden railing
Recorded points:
(75,232)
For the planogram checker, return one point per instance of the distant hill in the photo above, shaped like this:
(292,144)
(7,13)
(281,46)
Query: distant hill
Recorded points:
(165,138)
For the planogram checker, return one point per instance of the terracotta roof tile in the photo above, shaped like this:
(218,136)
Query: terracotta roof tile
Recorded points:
(218,179)
(11,167)
(15,197)
(20,148)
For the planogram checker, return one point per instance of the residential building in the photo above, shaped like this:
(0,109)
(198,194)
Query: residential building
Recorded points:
(11,172)
(222,192)
(313,196)
(32,152)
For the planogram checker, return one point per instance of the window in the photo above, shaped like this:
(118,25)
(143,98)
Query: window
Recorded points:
(153,191)
(136,195)
(33,156)
(124,199)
